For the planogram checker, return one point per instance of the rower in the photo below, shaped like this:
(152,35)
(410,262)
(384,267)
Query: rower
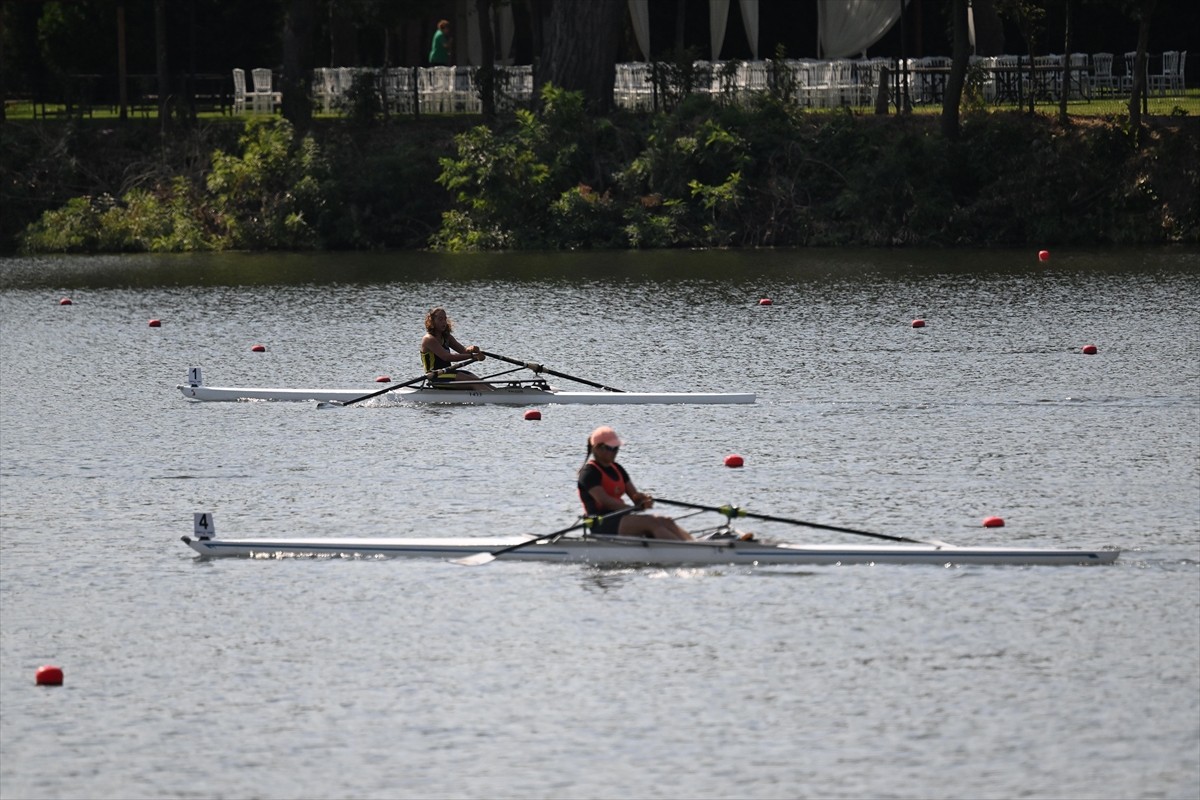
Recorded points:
(603,484)
(439,350)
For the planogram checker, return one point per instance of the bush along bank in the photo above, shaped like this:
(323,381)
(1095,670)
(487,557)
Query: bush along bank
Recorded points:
(705,175)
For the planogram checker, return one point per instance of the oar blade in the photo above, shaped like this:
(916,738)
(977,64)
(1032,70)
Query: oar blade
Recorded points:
(477,560)
(330,404)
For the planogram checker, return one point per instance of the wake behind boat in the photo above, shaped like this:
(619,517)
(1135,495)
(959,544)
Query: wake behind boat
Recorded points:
(720,546)
(513,391)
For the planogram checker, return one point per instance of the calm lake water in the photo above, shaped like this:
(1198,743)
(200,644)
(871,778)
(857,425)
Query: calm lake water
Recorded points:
(306,678)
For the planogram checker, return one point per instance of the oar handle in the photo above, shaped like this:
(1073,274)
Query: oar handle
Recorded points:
(732,511)
(538,368)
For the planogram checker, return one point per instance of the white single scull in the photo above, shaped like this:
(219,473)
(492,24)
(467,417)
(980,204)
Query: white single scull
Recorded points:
(536,392)
(626,551)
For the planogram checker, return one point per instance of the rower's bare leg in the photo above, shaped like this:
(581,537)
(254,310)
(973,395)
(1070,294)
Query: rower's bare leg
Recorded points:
(655,527)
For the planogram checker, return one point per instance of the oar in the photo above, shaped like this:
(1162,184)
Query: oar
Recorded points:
(540,368)
(479,559)
(394,386)
(733,511)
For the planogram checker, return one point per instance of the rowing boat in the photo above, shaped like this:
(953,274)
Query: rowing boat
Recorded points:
(514,392)
(720,548)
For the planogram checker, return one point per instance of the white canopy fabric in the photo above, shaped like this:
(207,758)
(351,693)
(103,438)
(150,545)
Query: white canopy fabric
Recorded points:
(639,10)
(750,20)
(718,16)
(849,27)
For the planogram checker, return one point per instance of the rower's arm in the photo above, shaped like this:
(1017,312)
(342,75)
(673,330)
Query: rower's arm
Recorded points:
(605,501)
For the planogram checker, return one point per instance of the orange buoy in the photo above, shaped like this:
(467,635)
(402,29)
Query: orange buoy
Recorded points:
(1089,349)
(49,675)
(155,323)
(1043,255)
(766,301)
(384,379)
(734,460)
(918,323)
(533,413)
(258,348)
(66,301)
(993,522)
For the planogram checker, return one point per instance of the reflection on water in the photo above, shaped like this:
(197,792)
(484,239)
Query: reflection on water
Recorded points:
(720,270)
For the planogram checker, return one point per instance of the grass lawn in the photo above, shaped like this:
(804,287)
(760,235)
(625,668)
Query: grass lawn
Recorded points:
(1173,105)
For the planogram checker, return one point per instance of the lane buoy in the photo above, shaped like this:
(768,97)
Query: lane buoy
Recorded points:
(1043,255)
(533,413)
(766,301)
(1089,349)
(734,460)
(918,323)
(384,379)
(156,323)
(993,522)
(66,301)
(49,675)
(258,348)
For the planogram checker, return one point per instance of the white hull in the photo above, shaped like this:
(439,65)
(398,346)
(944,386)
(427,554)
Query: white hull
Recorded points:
(522,395)
(634,552)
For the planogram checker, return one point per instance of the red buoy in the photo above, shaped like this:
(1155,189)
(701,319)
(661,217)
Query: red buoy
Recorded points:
(918,323)
(533,413)
(258,348)
(384,379)
(734,460)
(66,301)
(993,522)
(1043,255)
(1089,349)
(155,323)
(766,301)
(49,675)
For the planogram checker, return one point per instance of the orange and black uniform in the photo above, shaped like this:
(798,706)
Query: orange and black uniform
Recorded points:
(612,480)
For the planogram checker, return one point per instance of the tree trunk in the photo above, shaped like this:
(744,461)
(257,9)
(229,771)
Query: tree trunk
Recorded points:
(1143,12)
(487,49)
(343,50)
(958,70)
(1064,92)
(299,17)
(122,70)
(160,59)
(581,50)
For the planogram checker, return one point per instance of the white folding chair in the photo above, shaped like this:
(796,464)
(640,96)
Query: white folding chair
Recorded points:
(262,98)
(1102,80)
(239,91)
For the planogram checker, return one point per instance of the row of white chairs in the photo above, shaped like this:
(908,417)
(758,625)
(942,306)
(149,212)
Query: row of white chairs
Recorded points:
(811,82)
(258,98)
(431,90)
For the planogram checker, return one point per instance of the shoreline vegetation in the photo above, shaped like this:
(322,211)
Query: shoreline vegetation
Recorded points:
(703,175)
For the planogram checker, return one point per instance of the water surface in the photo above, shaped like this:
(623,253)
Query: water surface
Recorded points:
(377,678)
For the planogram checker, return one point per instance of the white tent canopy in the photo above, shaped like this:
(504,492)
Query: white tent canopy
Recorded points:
(845,27)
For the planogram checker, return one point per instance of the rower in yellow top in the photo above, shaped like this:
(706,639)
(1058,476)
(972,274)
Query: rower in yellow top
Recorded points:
(439,349)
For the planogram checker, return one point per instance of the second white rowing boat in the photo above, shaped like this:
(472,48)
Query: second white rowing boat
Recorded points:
(512,393)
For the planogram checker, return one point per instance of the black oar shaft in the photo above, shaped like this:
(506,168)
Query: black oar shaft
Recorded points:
(540,368)
(734,511)
(486,557)
(395,386)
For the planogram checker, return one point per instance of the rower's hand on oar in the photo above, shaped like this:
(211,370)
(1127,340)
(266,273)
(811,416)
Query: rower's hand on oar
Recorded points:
(642,501)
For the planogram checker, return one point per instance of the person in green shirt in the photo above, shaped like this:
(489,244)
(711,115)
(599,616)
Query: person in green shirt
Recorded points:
(439,51)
